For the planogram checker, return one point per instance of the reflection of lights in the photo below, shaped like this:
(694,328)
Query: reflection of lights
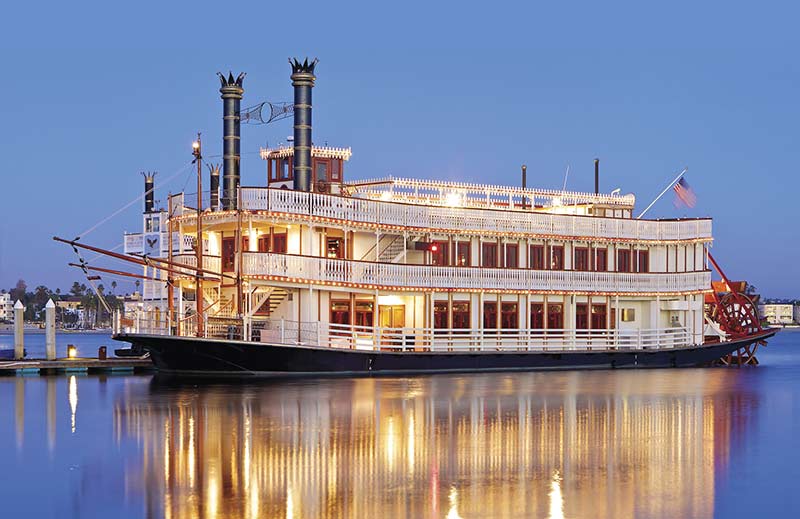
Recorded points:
(72,351)
(410,443)
(191,454)
(73,399)
(289,503)
(453,513)
(212,491)
(556,499)
(390,452)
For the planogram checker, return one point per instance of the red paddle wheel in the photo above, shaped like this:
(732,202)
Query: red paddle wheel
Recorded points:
(736,314)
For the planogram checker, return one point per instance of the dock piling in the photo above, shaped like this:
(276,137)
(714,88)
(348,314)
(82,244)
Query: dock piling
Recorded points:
(19,330)
(50,330)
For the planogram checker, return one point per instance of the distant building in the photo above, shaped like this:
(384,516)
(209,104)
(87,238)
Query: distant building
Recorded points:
(6,307)
(778,313)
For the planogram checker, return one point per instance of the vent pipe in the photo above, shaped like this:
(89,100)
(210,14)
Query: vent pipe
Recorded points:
(596,176)
(149,191)
(213,171)
(303,81)
(524,184)
(231,90)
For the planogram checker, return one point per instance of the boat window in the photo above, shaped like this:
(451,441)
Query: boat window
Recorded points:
(624,260)
(512,255)
(557,257)
(462,254)
(537,316)
(582,316)
(582,258)
(555,316)
(537,257)
(340,311)
(489,255)
(364,313)
(228,254)
(263,243)
(489,315)
(322,170)
(509,317)
(336,170)
(279,243)
(598,317)
(284,169)
(628,315)
(601,260)
(644,261)
(461,316)
(440,314)
(440,253)
(334,248)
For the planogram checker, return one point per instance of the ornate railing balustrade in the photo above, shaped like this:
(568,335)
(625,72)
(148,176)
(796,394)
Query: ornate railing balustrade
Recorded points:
(402,215)
(397,275)
(330,335)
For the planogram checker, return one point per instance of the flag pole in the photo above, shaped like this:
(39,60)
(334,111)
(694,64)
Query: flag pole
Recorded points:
(663,192)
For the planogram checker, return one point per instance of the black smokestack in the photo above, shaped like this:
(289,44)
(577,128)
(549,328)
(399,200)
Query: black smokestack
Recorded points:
(596,176)
(524,184)
(303,81)
(213,171)
(149,189)
(231,91)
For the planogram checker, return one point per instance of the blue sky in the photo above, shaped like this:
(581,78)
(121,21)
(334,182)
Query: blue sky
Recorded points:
(94,94)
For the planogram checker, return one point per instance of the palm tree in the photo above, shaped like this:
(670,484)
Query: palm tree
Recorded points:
(113,286)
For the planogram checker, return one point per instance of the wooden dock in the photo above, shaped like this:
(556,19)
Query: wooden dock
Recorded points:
(78,365)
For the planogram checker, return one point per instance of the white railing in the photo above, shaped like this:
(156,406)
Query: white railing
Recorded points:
(341,336)
(468,219)
(211,263)
(428,339)
(154,289)
(327,270)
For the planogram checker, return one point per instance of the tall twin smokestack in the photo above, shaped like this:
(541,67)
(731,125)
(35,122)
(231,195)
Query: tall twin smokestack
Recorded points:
(232,91)
(149,189)
(213,172)
(303,81)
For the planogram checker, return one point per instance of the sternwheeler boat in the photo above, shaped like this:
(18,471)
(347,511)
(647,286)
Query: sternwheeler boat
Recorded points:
(312,273)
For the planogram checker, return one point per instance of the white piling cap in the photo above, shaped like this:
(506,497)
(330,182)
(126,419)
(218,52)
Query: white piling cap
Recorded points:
(50,304)
(18,305)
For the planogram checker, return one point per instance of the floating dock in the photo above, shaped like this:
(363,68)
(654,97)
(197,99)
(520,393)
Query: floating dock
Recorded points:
(77,365)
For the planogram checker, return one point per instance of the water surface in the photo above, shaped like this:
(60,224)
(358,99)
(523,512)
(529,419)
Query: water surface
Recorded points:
(651,443)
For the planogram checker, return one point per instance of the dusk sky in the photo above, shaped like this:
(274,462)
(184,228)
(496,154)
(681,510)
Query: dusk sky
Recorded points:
(91,96)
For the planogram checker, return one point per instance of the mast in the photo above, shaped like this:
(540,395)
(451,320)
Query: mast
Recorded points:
(198,297)
(170,288)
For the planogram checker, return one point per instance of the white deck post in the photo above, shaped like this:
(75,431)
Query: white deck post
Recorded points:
(19,330)
(50,329)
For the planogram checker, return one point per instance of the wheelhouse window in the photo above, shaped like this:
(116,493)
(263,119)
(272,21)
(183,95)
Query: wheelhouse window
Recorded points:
(557,257)
(624,260)
(555,316)
(512,255)
(509,317)
(537,316)
(601,260)
(336,171)
(440,253)
(463,254)
(582,316)
(284,170)
(489,255)
(340,311)
(321,170)
(582,258)
(440,314)
(537,257)
(489,315)
(644,261)
(599,313)
(461,318)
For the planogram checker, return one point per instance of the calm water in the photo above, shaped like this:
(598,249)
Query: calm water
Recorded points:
(658,443)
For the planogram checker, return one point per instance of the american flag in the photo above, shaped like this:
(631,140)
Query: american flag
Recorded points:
(684,195)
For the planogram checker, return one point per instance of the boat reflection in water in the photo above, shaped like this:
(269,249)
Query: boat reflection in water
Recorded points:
(573,444)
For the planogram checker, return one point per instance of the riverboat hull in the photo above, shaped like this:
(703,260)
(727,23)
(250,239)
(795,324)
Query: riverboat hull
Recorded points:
(190,356)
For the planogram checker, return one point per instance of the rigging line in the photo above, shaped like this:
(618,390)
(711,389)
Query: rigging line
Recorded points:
(126,206)
(98,256)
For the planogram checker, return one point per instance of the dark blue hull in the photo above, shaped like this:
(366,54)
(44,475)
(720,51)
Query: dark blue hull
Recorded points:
(220,357)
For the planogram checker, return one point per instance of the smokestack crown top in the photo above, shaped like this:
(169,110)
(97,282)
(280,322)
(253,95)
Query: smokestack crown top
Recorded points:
(230,85)
(149,176)
(303,70)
